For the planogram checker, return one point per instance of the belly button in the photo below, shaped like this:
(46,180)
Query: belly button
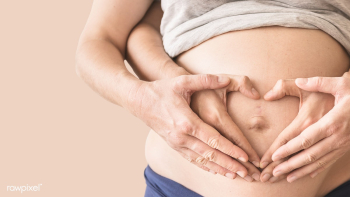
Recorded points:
(258,123)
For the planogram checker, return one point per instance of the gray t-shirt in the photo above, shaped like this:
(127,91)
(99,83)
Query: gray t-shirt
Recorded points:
(187,23)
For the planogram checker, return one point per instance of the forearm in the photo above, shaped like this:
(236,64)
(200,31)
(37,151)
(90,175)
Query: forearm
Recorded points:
(101,65)
(145,52)
(146,55)
(101,49)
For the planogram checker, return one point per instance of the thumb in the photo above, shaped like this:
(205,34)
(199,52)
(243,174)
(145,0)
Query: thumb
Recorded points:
(319,84)
(199,82)
(283,87)
(244,85)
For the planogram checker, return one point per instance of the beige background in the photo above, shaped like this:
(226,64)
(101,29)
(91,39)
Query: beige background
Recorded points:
(55,130)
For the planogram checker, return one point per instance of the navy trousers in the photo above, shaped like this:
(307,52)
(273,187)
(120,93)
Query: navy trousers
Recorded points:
(159,186)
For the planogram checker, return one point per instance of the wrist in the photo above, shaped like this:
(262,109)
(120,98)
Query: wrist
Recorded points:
(128,85)
(170,70)
(175,72)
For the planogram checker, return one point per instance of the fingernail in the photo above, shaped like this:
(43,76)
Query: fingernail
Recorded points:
(254,91)
(212,171)
(273,179)
(222,79)
(240,173)
(268,93)
(256,177)
(248,178)
(313,174)
(256,164)
(277,173)
(301,81)
(229,175)
(266,177)
(264,164)
(242,159)
(292,178)
(276,157)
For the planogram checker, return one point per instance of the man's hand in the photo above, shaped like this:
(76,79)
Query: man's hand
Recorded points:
(164,106)
(210,106)
(313,106)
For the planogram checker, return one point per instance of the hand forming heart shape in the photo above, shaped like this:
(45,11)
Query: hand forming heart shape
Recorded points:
(210,105)
(313,106)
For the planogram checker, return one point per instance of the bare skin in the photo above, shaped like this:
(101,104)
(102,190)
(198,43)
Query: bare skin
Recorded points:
(313,106)
(209,105)
(100,56)
(331,126)
(100,63)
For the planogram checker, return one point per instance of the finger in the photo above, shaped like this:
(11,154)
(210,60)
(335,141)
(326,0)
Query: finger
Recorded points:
(346,75)
(320,169)
(199,82)
(307,138)
(226,131)
(283,87)
(212,167)
(214,139)
(211,154)
(231,131)
(320,84)
(266,174)
(207,134)
(290,132)
(307,156)
(253,172)
(315,167)
(243,85)
(189,157)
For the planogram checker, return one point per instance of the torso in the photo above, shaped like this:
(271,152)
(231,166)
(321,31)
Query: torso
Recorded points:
(265,55)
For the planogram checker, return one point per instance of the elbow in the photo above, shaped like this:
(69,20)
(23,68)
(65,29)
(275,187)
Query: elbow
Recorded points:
(79,66)
(80,57)
(78,69)
(77,72)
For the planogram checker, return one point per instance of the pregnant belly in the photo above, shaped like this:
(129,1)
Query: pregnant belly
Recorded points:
(265,55)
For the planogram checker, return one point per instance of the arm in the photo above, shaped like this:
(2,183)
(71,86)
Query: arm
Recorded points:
(101,48)
(163,104)
(145,47)
(146,55)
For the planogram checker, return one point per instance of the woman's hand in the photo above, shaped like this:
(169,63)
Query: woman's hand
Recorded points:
(164,106)
(325,141)
(210,106)
(313,106)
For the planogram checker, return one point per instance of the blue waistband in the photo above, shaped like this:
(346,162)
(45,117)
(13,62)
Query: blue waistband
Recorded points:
(341,191)
(159,186)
